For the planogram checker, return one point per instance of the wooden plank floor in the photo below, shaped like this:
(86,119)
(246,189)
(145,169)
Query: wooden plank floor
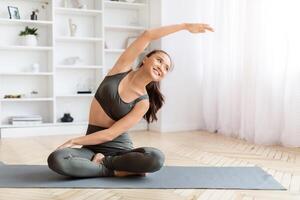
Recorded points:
(183,149)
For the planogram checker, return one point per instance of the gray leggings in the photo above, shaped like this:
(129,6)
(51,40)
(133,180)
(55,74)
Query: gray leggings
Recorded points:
(76,162)
(119,155)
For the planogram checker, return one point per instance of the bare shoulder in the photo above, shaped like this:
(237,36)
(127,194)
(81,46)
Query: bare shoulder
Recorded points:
(142,105)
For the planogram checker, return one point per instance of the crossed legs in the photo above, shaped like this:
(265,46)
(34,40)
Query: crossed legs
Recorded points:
(82,162)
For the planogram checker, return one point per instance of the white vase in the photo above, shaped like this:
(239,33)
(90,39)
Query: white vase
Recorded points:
(35,67)
(29,40)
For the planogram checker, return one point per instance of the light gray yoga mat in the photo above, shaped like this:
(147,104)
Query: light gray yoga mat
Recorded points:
(169,177)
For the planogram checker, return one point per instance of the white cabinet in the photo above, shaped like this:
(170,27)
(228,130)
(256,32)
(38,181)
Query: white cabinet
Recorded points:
(69,61)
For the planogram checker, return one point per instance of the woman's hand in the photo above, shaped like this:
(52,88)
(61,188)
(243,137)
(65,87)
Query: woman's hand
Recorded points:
(69,143)
(198,28)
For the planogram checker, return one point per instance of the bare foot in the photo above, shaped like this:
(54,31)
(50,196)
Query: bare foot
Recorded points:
(125,173)
(98,158)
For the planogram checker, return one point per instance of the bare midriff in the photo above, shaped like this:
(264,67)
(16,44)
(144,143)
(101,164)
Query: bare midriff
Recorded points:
(98,116)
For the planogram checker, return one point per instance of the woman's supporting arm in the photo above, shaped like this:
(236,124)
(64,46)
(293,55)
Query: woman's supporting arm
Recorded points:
(119,127)
(92,139)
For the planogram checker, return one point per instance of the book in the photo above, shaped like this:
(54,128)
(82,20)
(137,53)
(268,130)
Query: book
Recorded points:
(25,122)
(26,118)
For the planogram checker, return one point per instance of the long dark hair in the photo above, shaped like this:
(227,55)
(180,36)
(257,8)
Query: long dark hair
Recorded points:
(156,98)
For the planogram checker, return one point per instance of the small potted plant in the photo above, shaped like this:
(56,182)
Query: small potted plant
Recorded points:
(29,36)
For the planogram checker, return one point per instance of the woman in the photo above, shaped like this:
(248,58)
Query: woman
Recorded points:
(123,98)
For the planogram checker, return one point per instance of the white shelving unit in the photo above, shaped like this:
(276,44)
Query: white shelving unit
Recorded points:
(24,21)
(21,48)
(124,5)
(79,67)
(78,39)
(103,29)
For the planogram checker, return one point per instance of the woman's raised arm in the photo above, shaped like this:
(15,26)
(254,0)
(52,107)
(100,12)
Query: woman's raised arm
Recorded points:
(126,59)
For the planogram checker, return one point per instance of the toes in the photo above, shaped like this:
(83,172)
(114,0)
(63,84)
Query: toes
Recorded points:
(98,158)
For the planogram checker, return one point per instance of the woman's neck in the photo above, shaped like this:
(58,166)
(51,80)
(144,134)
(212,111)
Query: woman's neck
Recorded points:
(140,79)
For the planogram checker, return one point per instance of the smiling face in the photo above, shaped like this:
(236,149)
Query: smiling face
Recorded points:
(158,65)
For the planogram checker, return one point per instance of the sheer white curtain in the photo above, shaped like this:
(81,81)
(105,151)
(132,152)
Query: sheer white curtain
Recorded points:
(251,70)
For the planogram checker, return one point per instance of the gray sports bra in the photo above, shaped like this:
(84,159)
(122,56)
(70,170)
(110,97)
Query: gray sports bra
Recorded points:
(108,97)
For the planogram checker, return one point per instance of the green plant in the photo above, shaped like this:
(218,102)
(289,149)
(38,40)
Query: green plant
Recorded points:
(29,31)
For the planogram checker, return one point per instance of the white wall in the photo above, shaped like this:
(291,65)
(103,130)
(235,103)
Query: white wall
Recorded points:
(181,87)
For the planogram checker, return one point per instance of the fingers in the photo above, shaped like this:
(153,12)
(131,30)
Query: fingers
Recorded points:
(210,29)
(204,28)
(61,146)
(199,28)
(207,27)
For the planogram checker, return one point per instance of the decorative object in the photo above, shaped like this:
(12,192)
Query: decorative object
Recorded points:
(84,92)
(35,67)
(13,12)
(29,36)
(79,4)
(34,93)
(33,16)
(81,88)
(76,3)
(12,96)
(43,6)
(67,118)
(72,60)
(73,28)
(130,40)
(84,87)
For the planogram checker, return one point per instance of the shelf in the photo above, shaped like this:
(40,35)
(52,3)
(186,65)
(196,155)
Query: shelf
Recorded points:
(79,67)
(26,74)
(126,5)
(77,11)
(24,22)
(30,48)
(25,99)
(118,27)
(70,123)
(36,0)
(110,21)
(75,95)
(78,39)
(24,125)
(44,124)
